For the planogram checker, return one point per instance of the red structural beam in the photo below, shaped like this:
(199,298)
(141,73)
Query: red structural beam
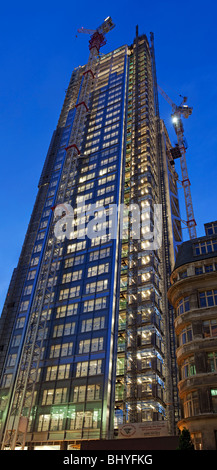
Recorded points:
(186,180)
(73,145)
(191,222)
(82,103)
(89,71)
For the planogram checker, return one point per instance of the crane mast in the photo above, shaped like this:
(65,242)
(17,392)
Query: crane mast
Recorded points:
(22,391)
(177,112)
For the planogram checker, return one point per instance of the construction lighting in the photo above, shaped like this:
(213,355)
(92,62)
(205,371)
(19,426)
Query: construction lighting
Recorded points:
(174,119)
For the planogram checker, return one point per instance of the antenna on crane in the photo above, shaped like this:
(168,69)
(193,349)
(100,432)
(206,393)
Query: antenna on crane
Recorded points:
(180,152)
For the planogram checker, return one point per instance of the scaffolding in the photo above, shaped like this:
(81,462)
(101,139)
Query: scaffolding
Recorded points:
(138,357)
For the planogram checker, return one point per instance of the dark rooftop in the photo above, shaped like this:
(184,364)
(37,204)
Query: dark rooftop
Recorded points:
(197,249)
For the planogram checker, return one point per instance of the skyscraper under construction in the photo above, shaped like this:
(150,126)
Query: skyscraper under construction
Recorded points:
(86,332)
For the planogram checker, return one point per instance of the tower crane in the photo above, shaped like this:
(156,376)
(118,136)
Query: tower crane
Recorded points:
(104,28)
(183,110)
(20,401)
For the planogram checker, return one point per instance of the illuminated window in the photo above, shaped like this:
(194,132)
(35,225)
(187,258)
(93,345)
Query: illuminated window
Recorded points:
(74,261)
(89,393)
(196,439)
(92,367)
(188,368)
(55,350)
(96,286)
(55,372)
(51,396)
(73,292)
(62,350)
(85,419)
(87,177)
(20,322)
(31,275)
(100,303)
(97,344)
(24,306)
(214,399)
(88,306)
(95,255)
(191,405)
(212,361)
(72,276)
(34,261)
(44,421)
(93,324)
(76,247)
(37,248)
(63,311)
(16,340)
(66,349)
(11,360)
(84,346)
(6,381)
(98,269)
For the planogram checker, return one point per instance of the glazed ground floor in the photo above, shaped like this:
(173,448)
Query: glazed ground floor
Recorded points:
(150,443)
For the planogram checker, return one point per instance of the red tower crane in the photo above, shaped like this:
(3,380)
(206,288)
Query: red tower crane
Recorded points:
(177,112)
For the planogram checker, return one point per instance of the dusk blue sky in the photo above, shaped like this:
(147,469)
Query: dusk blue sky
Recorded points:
(39,50)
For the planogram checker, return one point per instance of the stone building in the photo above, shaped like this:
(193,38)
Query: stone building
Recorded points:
(193,294)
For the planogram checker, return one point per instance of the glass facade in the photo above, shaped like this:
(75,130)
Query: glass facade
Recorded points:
(103,341)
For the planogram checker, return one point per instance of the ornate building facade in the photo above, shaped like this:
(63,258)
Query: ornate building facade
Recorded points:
(193,294)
